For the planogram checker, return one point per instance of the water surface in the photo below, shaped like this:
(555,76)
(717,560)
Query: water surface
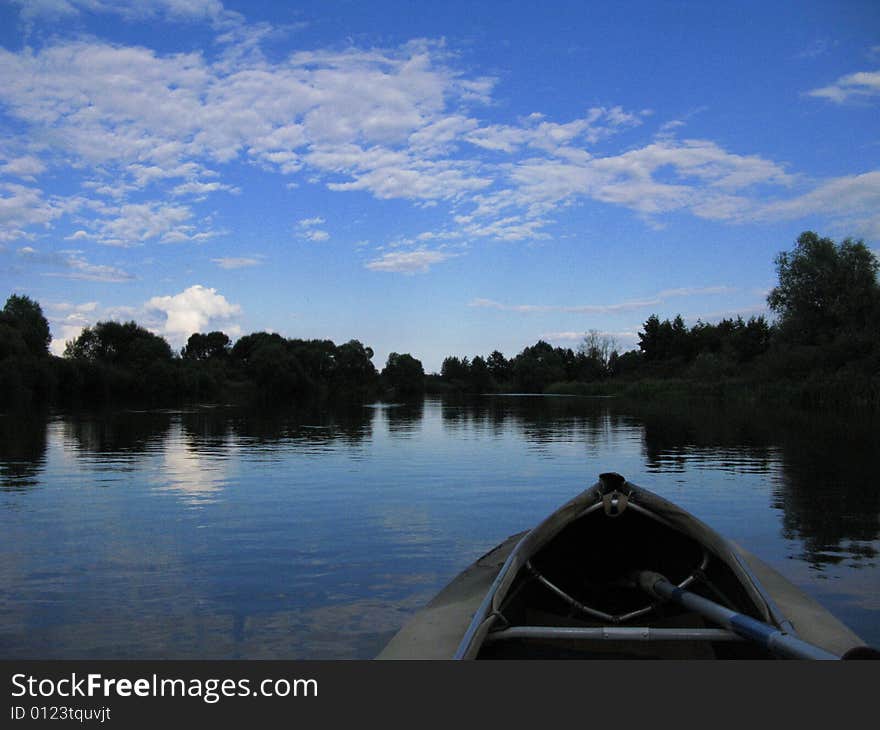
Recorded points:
(220,533)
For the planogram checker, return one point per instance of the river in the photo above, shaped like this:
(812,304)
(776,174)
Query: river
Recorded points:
(224,533)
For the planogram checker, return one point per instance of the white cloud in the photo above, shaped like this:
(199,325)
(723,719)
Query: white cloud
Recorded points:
(196,309)
(72,265)
(553,137)
(233,262)
(201,189)
(853,86)
(77,267)
(698,176)
(409,262)
(26,167)
(852,202)
(308,229)
(816,49)
(172,10)
(396,123)
(626,306)
(133,224)
(625,336)
(316,235)
(22,206)
(67,321)
(82,269)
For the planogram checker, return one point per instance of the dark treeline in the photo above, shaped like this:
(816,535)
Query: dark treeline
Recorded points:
(666,349)
(823,346)
(122,362)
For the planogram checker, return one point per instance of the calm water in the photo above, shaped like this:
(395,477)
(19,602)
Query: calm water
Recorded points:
(216,533)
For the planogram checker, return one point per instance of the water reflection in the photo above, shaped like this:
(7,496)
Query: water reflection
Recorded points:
(822,470)
(828,493)
(275,428)
(22,450)
(116,434)
(703,437)
(198,458)
(220,532)
(404,419)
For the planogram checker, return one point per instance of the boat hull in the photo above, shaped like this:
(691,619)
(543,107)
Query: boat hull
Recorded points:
(438,630)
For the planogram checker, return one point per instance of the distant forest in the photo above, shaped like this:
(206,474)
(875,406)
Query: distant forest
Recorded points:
(822,349)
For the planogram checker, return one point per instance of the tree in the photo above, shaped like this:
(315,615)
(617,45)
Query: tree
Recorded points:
(245,348)
(628,363)
(278,373)
(455,369)
(354,365)
(318,358)
(679,342)
(666,340)
(404,373)
(12,344)
(479,379)
(25,315)
(649,340)
(750,339)
(596,351)
(499,367)
(538,366)
(824,288)
(123,344)
(211,346)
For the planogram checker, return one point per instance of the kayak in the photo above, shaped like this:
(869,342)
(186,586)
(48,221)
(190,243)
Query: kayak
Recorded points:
(618,572)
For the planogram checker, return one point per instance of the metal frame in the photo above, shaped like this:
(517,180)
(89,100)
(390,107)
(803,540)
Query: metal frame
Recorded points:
(736,626)
(611,633)
(595,613)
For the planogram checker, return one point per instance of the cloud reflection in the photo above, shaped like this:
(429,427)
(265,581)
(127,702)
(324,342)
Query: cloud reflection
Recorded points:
(198,476)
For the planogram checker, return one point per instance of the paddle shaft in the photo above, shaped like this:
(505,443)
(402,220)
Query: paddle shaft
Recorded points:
(769,637)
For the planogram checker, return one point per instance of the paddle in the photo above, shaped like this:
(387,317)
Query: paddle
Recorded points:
(771,638)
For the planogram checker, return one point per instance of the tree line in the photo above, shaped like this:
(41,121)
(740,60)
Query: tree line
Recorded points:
(827,326)
(826,331)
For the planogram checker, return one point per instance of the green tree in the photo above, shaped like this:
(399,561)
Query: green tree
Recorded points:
(596,352)
(499,367)
(750,339)
(650,339)
(278,373)
(538,366)
(125,344)
(12,344)
(210,346)
(455,369)
(25,315)
(479,378)
(354,365)
(245,348)
(404,374)
(825,288)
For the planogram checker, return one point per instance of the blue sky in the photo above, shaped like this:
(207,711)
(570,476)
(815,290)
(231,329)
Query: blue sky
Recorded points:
(434,178)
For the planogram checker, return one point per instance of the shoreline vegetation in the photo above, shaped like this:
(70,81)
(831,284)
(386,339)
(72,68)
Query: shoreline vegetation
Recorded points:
(822,352)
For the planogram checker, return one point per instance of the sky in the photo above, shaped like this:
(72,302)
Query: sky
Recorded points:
(435,178)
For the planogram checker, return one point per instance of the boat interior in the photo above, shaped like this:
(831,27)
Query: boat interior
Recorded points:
(583,579)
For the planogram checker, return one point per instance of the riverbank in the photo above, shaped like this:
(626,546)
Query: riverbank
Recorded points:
(814,393)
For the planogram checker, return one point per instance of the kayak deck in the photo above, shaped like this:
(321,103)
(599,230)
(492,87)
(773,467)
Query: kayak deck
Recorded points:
(569,596)
(579,580)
